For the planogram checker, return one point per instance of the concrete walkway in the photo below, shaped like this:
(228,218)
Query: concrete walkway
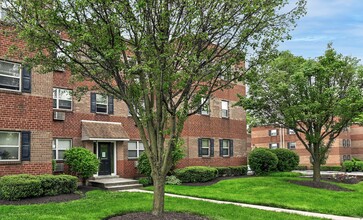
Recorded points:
(329,173)
(266,208)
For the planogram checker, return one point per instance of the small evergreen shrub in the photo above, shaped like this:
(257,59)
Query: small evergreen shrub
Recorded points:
(232,171)
(16,187)
(287,159)
(146,181)
(331,168)
(262,161)
(302,167)
(353,165)
(223,171)
(172,180)
(81,162)
(196,174)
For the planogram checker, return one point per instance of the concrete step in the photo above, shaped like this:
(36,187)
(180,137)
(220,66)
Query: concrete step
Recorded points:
(124,187)
(104,177)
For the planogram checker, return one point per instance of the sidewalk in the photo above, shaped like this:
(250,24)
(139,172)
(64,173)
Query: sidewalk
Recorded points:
(266,208)
(327,173)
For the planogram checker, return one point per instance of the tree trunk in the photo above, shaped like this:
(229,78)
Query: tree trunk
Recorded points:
(316,171)
(159,189)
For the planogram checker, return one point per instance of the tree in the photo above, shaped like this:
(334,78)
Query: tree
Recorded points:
(315,98)
(160,57)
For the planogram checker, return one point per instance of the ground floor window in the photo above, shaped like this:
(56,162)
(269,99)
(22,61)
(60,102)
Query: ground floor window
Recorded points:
(59,147)
(134,149)
(205,147)
(273,145)
(226,147)
(9,146)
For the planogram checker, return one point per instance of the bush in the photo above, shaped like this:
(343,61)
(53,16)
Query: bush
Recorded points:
(302,168)
(262,161)
(21,186)
(285,174)
(82,162)
(146,181)
(144,167)
(287,160)
(232,171)
(359,165)
(196,174)
(331,168)
(353,165)
(172,180)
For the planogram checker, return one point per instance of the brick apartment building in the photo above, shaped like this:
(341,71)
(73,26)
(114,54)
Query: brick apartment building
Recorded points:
(39,120)
(347,145)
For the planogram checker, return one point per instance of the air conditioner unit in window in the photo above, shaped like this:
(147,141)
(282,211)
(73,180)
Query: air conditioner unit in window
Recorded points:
(59,116)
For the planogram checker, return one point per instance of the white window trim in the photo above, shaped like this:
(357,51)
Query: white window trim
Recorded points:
(271,144)
(228,147)
(137,149)
(58,99)
(97,103)
(271,134)
(227,109)
(55,143)
(12,146)
(206,155)
(20,76)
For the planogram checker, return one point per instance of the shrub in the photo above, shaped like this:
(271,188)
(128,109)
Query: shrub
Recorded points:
(17,187)
(302,168)
(56,185)
(285,174)
(223,171)
(348,165)
(331,168)
(21,186)
(172,180)
(146,181)
(287,159)
(359,165)
(262,161)
(82,162)
(144,167)
(232,171)
(196,174)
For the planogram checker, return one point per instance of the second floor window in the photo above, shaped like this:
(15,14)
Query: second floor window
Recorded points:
(62,99)
(225,109)
(101,103)
(205,108)
(273,132)
(10,76)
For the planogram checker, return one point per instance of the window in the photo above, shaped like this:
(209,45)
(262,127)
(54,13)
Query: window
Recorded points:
(274,145)
(205,108)
(273,132)
(101,103)
(3,11)
(226,147)
(10,76)
(291,145)
(205,147)
(345,129)
(346,157)
(134,149)
(62,98)
(9,146)
(346,143)
(290,131)
(225,113)
(59,147)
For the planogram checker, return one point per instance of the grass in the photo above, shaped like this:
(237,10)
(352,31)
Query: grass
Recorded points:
(101,204)
(277,192)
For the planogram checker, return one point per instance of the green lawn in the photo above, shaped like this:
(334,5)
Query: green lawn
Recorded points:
(276,191)
(100,204)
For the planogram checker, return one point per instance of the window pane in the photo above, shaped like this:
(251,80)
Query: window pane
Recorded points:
(100,99)
(225,143)
(65,94)
(140,152)
(55,93)
(224,113)
(54,155)
(101,108)
(9,138)
(225,152)
(64,144)
(54,103)
(61,154)
(132,153)
(141,146)
(205,151)
(64,104)
(224,105)
(205,143)
(131,146)
(10,69)
(9,153)
(9,82)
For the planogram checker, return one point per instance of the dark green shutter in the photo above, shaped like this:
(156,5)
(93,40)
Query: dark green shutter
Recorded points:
(231,148)
(110,105)
(212,147)
(26,79)
(93,102)
(25,145)
(199,147)
(221,147)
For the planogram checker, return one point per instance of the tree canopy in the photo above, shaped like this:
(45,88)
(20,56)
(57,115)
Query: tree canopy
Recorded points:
(160,57)
(317,98)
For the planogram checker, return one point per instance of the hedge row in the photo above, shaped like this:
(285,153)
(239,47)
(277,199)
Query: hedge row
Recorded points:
(353,165)
(331,168)
(196,174)
(16,187)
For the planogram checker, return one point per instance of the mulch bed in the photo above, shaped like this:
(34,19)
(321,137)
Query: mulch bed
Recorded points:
(46,199)
(165,216)
(319,185)
(216,180)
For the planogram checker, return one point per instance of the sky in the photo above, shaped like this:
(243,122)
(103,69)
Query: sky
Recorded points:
(337,21)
